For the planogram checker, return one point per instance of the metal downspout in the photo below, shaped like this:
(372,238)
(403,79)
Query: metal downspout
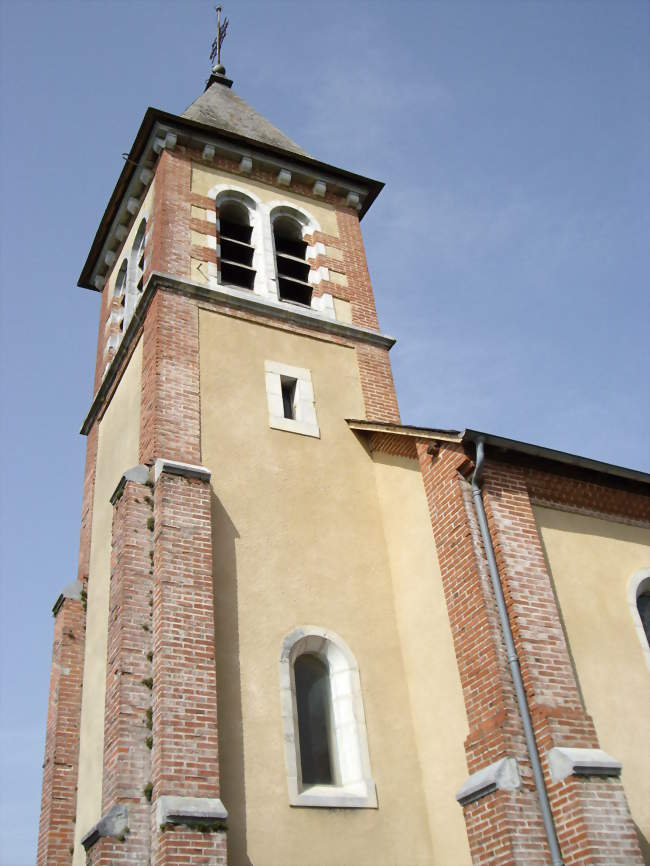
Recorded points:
(513,661)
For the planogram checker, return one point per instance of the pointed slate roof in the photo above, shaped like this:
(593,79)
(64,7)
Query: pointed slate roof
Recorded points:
(218,106)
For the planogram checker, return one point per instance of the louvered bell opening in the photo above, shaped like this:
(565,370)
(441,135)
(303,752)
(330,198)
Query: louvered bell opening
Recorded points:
(236,249)
(293,270)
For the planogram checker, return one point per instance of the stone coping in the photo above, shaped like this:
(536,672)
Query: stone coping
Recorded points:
(114,823)
(564,762)
(183,810)
(72,590)
(502,775)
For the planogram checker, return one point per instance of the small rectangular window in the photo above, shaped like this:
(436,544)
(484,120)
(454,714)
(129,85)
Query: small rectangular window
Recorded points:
(290,398)
(288,386)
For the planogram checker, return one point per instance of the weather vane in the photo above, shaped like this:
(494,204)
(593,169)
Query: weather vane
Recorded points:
(215,52)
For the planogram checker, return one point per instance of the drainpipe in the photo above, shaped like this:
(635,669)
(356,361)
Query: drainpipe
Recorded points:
(513,660)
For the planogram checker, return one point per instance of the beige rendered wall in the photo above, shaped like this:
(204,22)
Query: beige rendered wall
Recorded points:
(591,561)
(117,451)
(435,692)
(298,540)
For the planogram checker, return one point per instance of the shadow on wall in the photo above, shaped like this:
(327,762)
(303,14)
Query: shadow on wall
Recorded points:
(229,701)
(644,845)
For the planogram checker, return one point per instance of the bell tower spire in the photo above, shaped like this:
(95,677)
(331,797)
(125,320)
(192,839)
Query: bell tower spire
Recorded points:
(218,73)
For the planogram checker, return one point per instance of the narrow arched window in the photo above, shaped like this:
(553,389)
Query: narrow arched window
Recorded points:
(313,705)
(326,748)
(643,606)
(138,256)
(290,255)
(120,281)
(639,601)
(235,234)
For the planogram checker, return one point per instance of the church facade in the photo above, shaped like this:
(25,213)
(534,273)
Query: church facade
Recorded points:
(303,632)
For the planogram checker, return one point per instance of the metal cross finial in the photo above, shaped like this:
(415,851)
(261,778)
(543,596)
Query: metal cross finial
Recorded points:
(215,52)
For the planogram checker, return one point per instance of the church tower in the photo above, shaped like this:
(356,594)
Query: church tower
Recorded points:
(224,502)
(298,625)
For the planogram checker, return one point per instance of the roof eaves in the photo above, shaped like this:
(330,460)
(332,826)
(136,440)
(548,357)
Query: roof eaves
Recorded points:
(552,455)
(503,444)
(155,115)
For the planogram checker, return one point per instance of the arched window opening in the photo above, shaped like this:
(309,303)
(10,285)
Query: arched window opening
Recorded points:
(235,233)
(643,606)
(314,708)
(290,253)
(138,256)
(639,601)
(326,747)
(120,281)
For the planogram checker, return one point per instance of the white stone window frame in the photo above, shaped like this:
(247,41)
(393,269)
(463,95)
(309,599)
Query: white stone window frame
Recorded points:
(260,237)
(637,585)
(355,788)
(305,422)
(324,303)
(132,293)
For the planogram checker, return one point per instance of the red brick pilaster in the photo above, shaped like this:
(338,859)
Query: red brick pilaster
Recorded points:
(127,725)
(170,232)
(377,384)
(360,291)
(170,403)
(591,815)
(504,827)
(60,768)
(87,503)
(185,756)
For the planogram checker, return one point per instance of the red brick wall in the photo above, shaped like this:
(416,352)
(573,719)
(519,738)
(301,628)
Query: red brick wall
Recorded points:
(356,267)
(185,692)
(591,815)
(87,503)
(127,754)
(171,238)
(186,753)
(597,808)
(503,827)
(59,792)
(170,405)
(377,384)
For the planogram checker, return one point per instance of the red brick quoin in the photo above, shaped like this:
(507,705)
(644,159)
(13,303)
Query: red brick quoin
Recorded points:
(591,814)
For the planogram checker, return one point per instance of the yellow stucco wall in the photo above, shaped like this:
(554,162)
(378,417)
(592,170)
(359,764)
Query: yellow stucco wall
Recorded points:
(592,561)
(117,451)
(299,539)
(435,692)
(204,178)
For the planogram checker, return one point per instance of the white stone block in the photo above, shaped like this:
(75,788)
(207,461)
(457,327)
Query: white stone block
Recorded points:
(109,258)
(121,232)
(208,152)
(133,205)
(501,775)
(146,176)
(246,165)
(319,188)
(565,762)
(353,200)
(284,177)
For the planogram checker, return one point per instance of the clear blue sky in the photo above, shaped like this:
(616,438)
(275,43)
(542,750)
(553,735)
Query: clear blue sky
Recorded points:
(509,250)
